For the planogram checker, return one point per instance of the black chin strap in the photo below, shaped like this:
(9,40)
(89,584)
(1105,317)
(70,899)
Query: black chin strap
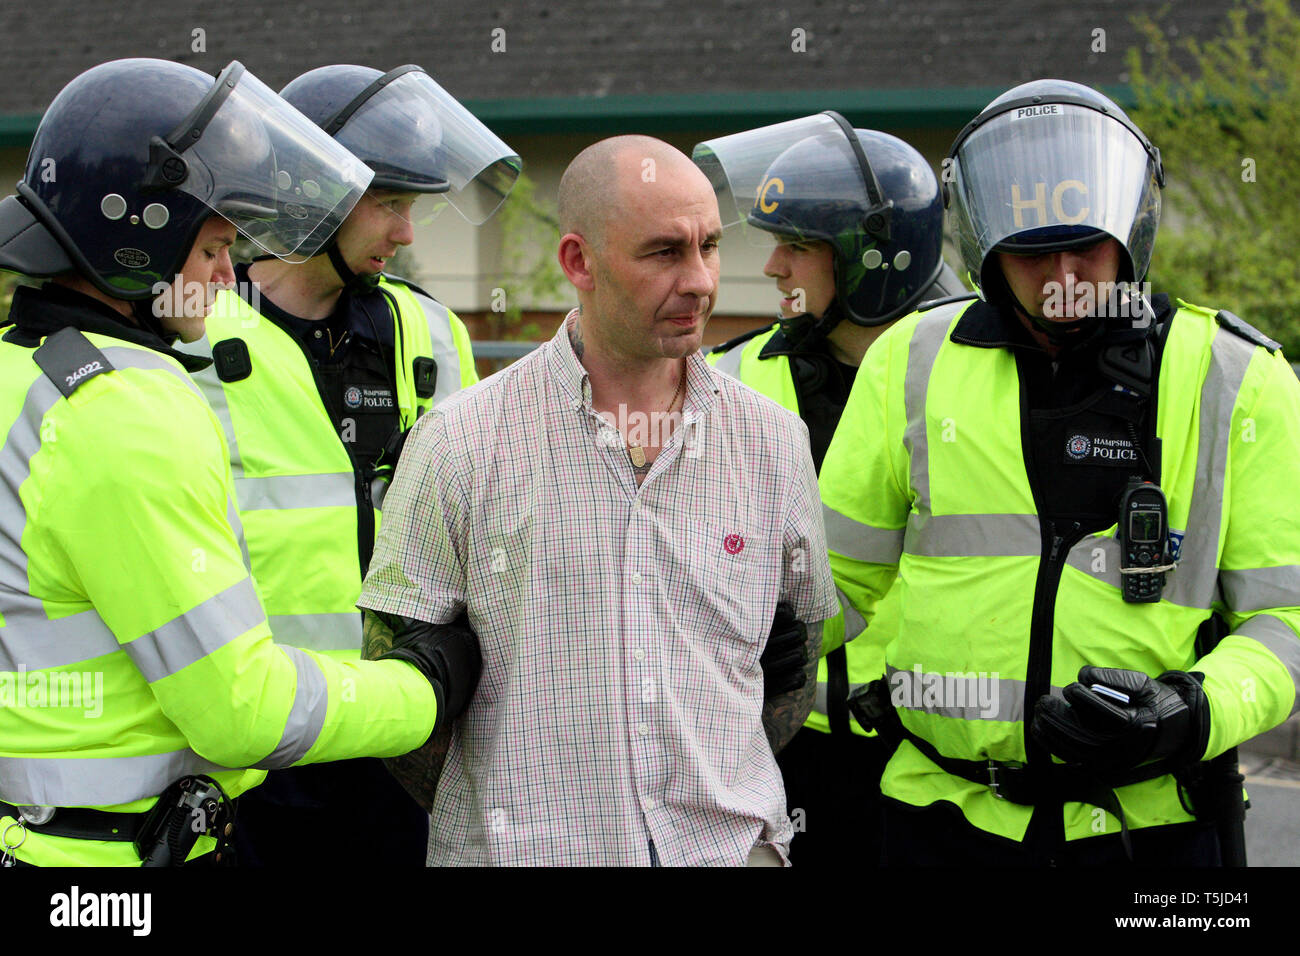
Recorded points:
(807,329)
(352,282)
(142,311)
(1061,334)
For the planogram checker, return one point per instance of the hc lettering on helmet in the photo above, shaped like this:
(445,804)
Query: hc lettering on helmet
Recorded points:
(763,190)
(1039,203)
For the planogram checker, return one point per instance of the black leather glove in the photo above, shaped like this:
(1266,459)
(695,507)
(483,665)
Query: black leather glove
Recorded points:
(1167,716)
(446,654)
(786,654)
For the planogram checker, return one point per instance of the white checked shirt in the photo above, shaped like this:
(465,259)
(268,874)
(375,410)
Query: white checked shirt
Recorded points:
(621,627)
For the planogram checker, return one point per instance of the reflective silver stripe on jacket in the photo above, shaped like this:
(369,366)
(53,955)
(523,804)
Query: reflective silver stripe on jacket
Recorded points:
(445,352)
(307,715)
(33,642)
(95,781)
(337,490)
(854,622)
(1275,635)
(861,542)
(822,696)
(943,536)
(966,695)
(30,638)
(198,632)
(214,391)
(21,444)
(730,360)
(1258,589)
(1192,583)
(927,338)
(318,632)
(1099,557)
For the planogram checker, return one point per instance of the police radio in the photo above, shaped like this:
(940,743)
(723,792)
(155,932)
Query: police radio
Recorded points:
(1143,542)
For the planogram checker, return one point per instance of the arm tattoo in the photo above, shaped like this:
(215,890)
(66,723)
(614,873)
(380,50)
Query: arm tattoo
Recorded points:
(417,771)
(784,714)
(376,637)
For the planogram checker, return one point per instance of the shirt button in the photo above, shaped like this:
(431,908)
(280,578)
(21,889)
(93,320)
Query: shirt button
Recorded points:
(638,654)
(650,803)
(643,729)
(636,577)
(318,333)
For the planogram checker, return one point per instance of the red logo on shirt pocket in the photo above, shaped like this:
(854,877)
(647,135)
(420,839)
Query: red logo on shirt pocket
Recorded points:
(733,544)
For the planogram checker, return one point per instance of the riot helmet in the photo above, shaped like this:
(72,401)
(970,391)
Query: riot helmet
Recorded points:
(134,155)
(870,196)
(414,134)
(1048,166)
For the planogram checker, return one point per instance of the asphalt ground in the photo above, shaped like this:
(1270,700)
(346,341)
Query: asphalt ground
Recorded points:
(1273,820)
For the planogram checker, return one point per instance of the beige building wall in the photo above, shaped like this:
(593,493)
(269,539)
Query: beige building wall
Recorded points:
(463,265)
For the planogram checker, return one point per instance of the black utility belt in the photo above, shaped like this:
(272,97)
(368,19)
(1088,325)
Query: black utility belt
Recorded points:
(163,835)
(1014,782)
(78,823)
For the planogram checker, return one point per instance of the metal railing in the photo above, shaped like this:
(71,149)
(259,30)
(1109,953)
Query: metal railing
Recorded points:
(501,353)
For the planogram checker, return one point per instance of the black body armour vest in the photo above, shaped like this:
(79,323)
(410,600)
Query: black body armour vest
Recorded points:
(351,356)
(360,397)
(821,384)
(1088,433)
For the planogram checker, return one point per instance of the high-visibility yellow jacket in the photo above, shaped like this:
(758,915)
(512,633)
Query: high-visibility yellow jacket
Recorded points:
(133,647)
(309,513)
(771,375)
(926,481)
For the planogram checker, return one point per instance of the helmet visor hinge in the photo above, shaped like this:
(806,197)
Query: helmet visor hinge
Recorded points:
(167,168)
(876,222)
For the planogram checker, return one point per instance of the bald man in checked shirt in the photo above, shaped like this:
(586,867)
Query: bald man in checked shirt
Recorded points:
(619,521)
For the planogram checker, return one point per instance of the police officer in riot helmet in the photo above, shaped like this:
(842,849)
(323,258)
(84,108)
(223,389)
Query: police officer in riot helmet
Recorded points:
(323,367)
(1062,468)
(855,221)
(119,522)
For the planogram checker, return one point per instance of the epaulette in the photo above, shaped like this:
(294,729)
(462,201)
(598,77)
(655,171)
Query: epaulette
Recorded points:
(935,303)
(70,360)
(730,344)
(1239,326)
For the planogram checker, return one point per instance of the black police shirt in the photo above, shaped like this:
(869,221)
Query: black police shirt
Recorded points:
(351,357)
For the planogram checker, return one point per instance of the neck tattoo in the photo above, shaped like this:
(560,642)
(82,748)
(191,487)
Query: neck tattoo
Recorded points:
(635,450)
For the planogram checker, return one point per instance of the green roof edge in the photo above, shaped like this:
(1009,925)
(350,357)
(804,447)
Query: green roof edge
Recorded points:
(926,108)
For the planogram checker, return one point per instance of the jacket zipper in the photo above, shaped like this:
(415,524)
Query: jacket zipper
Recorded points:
(1056,545)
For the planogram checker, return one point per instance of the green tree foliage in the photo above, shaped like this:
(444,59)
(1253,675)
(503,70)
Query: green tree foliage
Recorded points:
(1225,113)
(530,274)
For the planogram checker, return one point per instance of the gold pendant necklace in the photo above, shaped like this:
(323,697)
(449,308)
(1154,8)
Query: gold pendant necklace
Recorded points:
(635,450)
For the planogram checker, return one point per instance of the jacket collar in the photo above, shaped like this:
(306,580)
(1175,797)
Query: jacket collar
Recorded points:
(37,313)
(985,326)
(811,343)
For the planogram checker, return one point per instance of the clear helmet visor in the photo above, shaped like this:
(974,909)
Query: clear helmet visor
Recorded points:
(273,173)
(1038,178)
(417,137)
(415,209)
(750,191)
